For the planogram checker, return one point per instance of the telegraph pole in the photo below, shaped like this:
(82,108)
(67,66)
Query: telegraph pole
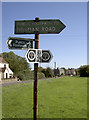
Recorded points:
(36,78)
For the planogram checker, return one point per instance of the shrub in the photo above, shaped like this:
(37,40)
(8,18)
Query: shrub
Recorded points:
(25,75)
(49,72)
(84,71)
(41,75)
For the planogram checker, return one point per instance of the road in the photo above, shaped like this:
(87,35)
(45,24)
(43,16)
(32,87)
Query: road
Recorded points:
(27,81)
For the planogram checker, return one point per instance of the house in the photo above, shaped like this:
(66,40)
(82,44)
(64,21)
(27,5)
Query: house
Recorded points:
(62,71)
(59,71)
(5,71)
(56,72)
(68,72)
(71,72)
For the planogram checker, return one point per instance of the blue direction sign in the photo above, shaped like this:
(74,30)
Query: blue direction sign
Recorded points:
(19,43)
(49,26)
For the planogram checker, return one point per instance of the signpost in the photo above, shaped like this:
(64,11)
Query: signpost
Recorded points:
(46,56)
(39,26)
(33,55)
(36,55)
(35,110)
(19,43)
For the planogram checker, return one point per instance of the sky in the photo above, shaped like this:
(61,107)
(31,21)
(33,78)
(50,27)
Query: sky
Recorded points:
(69,47)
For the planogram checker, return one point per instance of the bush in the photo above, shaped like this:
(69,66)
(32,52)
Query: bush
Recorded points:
(58,75)
(41,75)
(25,75)
(16,63)
(49,72)
(84,71)
(29,75)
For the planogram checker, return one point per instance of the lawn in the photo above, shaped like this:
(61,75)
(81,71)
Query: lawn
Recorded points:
(64,97)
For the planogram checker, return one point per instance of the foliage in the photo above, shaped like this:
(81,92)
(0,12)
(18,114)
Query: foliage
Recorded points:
(58,75)
(84,71)
(63,68)
(40,69)
(43,71)
(56,72)
(17,64)
(21,68)
(25,75)
(29,75)
(77,71)
(41,75)
(49,72)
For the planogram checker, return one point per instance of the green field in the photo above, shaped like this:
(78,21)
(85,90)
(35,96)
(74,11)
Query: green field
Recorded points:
(64,97)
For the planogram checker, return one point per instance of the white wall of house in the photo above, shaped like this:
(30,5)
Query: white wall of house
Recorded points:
(62,71)
(8,73)
(4,64)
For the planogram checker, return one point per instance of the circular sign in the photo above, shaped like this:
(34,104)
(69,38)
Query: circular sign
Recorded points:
(31,55)
(45,56)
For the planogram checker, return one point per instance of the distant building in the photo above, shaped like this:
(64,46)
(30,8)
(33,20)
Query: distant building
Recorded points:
(62,71)
(59,71)
(56,72)
(5,71)
(71,72)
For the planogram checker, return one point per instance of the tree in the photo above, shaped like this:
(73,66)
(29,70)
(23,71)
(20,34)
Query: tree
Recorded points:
(40,69)
(63,68)
(87,71)
(17,64)
(41,75)
(49,72)
(84,71)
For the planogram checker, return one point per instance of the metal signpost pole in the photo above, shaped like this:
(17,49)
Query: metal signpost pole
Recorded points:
(36,78)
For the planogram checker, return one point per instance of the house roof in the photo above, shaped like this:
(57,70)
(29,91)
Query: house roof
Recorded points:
(2,69)
(2,60)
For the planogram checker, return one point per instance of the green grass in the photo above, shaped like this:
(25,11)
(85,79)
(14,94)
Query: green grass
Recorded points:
(57,98)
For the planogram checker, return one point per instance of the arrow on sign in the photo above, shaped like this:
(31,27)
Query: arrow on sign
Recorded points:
(39,26)
(19,43)
(10,43)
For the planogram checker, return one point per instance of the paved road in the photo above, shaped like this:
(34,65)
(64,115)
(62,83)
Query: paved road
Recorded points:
(19,82)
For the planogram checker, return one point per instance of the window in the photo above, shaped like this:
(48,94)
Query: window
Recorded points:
(4,65)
